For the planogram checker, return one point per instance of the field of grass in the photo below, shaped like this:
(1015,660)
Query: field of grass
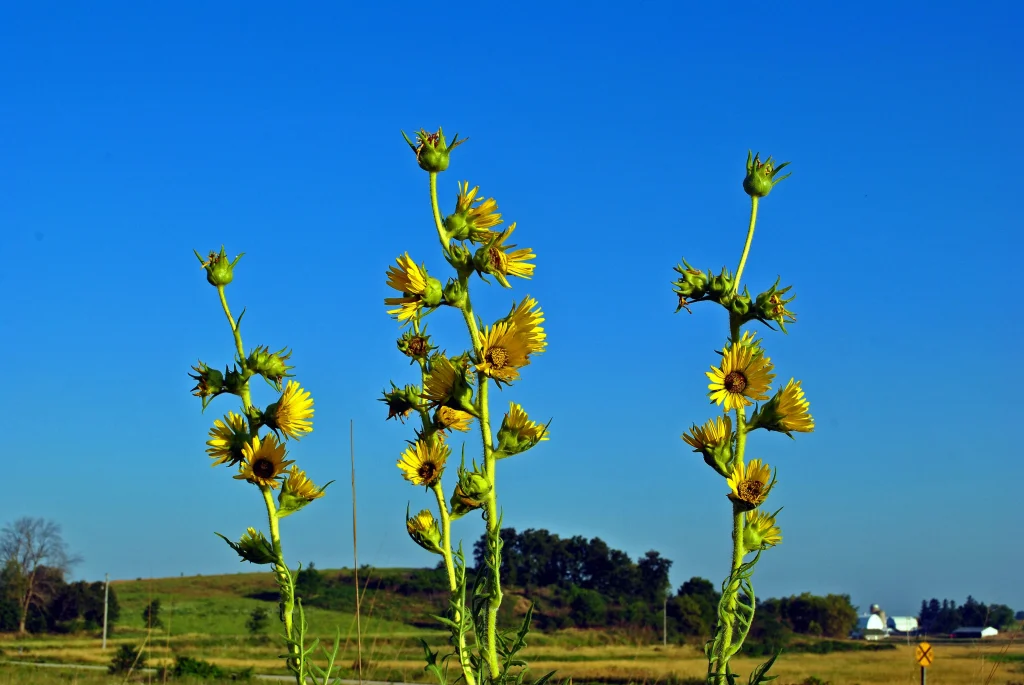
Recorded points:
(205,618)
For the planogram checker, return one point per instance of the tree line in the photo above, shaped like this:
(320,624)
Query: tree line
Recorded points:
(946,616)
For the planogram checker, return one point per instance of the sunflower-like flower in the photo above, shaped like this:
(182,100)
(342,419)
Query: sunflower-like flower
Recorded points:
(253,547)
(760,531)
(788,410)
(518,433)
(448,384)
(446,418)
(292,414)
(714,441)
(527,318)
(750,485)
(501,260)
(423,463)
(424,531)
(415,344)
(744,375)
(263,461)
(297,484)
(418,289)
(473,216)
(506,350)
(227,439)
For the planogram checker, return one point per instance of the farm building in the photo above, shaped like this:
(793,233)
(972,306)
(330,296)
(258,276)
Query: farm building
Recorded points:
(902,625)
(974,632)
(870,627)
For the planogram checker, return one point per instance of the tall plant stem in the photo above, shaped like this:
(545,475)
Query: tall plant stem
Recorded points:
(246,396)
(355,552)
(746,245)
(284,580)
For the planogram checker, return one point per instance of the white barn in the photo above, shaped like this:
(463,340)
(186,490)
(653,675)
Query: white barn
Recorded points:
(902,625)
(974,632)
(870,627)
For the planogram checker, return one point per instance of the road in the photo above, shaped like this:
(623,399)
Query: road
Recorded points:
(286,678)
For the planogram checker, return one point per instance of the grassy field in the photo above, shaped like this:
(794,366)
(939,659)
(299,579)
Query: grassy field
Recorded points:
(205,618)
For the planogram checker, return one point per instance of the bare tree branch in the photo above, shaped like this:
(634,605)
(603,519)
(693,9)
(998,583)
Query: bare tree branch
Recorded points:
(35,551)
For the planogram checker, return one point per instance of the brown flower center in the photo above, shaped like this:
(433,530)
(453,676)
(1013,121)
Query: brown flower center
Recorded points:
(750,491)
(263,468)
(497,356)
(427,472)
(498,260)
(417,347)
(735,382)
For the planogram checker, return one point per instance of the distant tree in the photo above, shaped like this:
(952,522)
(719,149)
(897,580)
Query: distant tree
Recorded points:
(1019,616)
(973,612)
(686,616)
(27,547)
(309,582)
(653,571)
(126,659)
(1000,616)
(151,615)
(588,609)
(258,621)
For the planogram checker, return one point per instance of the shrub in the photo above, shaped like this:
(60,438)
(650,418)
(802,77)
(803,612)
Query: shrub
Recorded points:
(126,659)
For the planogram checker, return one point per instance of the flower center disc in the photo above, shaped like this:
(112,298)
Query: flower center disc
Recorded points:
(497,357)
(263,468)
(426,472)
(750,491)
(735,382)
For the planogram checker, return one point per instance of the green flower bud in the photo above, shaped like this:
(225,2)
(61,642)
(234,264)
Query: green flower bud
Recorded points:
(740,304)
(432,293)
(760,178)
(253,547)
(460,258)
(470,493)
(219,272)
(771,306)
(270,365)
(210,383)
(424,531)
(457,227)
(720,285)
(415,345)
(432,151)
(401,402)
(234,381)
(454,293)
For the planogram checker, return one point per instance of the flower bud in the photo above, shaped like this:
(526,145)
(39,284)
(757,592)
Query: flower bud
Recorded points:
(771,306)
(401,402)
(460,258)
(691,286)
(234,381)
(219,271)
(760,178)
(210,382)
(721,285)
(454,293)
(470,493)
(415,345)
(760,531)
(432,151)
(740,304)
(424,531)
(270,365)
(253,547)
(297,491)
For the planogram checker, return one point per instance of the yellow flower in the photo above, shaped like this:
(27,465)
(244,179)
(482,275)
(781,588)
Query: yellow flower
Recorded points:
(495,258)
(292,414)
(743,376)
(505,352)
(264,461)
(417,288)
(760,531)
(446,418)
(472,216)
(423,463)
(447,383)
(298,485)
(518,433)
(227,438)
(793,409)
(751,485)
(424,531)
(714,433)
(527,317)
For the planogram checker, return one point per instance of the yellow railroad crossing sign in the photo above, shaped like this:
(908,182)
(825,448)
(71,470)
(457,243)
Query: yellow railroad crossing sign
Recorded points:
(924,654)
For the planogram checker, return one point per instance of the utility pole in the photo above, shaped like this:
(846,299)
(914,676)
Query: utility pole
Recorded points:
(106,596)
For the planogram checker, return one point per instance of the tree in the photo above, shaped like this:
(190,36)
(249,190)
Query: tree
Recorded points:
(258,621)
(654,581)
(588,609)
(151,614)
(27,547)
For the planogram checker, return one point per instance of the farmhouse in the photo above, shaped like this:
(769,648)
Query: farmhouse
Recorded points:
(974,632)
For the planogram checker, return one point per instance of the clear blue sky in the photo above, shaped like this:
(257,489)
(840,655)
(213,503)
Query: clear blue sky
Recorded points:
(616,137)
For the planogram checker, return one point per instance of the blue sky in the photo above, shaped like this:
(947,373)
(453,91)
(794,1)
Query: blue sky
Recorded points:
(131,134)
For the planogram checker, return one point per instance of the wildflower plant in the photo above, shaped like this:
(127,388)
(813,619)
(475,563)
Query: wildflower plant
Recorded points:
(741,379)
(451,393)
(235,441)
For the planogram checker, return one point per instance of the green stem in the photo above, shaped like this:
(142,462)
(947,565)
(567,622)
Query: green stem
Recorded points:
(746,246)
(449,562)
(442,234)
(738,521)
(284,580)
(237,333)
